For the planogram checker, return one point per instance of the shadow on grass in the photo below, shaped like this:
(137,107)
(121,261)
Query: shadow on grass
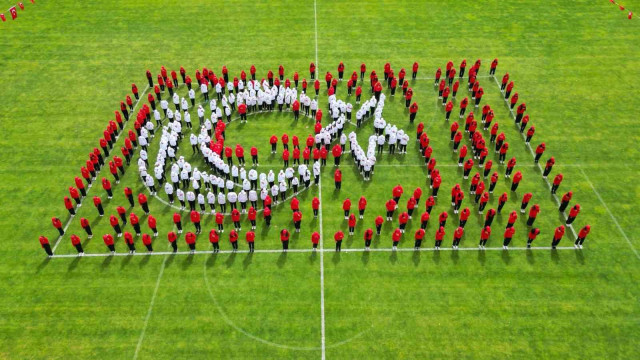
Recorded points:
(336,257)
(230,260)
(530,257)
(506,257)
(43,264)
(106,262)
(313,257)
(416,258)
(365,258)
(211,261)
(482,257)
(170,260)
(247,261)
(282,259)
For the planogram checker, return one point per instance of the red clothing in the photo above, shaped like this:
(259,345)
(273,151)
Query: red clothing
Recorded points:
(352,220)
(107,238)
(235,215)
(195,216)
(379,220)
(346,205)
(284,235)
(177,218)
(362,203)
(390,205)
(75,240)
(559,233)
(397,234)
(315,203)
(56,222)
(190,238)
(508,233)
(337,175)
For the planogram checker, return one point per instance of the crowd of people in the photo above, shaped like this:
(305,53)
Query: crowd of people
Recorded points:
(228,180)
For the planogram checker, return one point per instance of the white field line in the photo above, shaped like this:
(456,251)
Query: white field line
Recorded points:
(321,251)
(555,197)
(615,221)
(153,300)
(66,225)
(322,323)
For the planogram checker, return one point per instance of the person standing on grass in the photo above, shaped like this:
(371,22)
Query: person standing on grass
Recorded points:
(501,201)
(108,241)
(457,235)
(135,222)
(395,237)
(378,222)
(418,236)
(58,225)
(128,239)
(439,236)
(556,184)
(214,239)
(573,213)
(533,213)
(75,241)
(44,243)
(315,239)
(116,225)
(557,236)
(338,236)
(484,236)
(582,234)
(190,239)
(284,238)
(250,237)
(533,233)
(195,219)
(233,239)
(508,235)
(489,217)
(566,198)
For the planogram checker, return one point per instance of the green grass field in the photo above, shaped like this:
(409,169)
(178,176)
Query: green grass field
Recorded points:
(66,66)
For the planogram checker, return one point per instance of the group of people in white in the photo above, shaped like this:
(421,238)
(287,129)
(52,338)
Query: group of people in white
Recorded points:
(227,183)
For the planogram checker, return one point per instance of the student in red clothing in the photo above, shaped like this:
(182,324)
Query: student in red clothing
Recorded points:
(142,200)
(190,239)
(297,220)
(484,236)
(533,233)
(413,112)
(135,222)
(274,142)
(403,218)
(233,239)
(108,241)
(573,213)
(395,237)
(122,212)
(250,237)
(439,236)
(556,184)
(235,217)
(58,225)
(284,238)
(346,207)
(44,243)
(390,205)
(338,236)
(177,220)
(352,224)
(525,201)
(116,225)
(457,235)
(557,236)
(84,223)
(533,213)
(98,204)
(151,221)
(75,241)
(448,108)
(336,152)
(315,239)
(378,221)
(414,73)
(566,198)
(337,178)
(501,201)
(128,239)
(513,216)
(266,213)
(508,235)
(517,177)
(214,239)
(464,216)
(195,219)
(582,234)
(490,216)
(418,236)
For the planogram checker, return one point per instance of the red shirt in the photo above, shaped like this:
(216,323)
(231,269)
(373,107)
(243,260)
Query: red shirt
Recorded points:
(133,218)
(337,175)
(440,233)
(284,235)
(346,205)
(390,205)
(190,238)
(508,233)
(379,220)
(362,203)
(352,220)
(75,240)
(151,221)
(195,216)
(43,241)
(235,215)
(177,218)
(513,217)
(535,209)
(315,238)
(113,220)
(107,238)
(56,222)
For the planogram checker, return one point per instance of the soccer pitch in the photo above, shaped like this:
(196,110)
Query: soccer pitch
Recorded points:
(67,65)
